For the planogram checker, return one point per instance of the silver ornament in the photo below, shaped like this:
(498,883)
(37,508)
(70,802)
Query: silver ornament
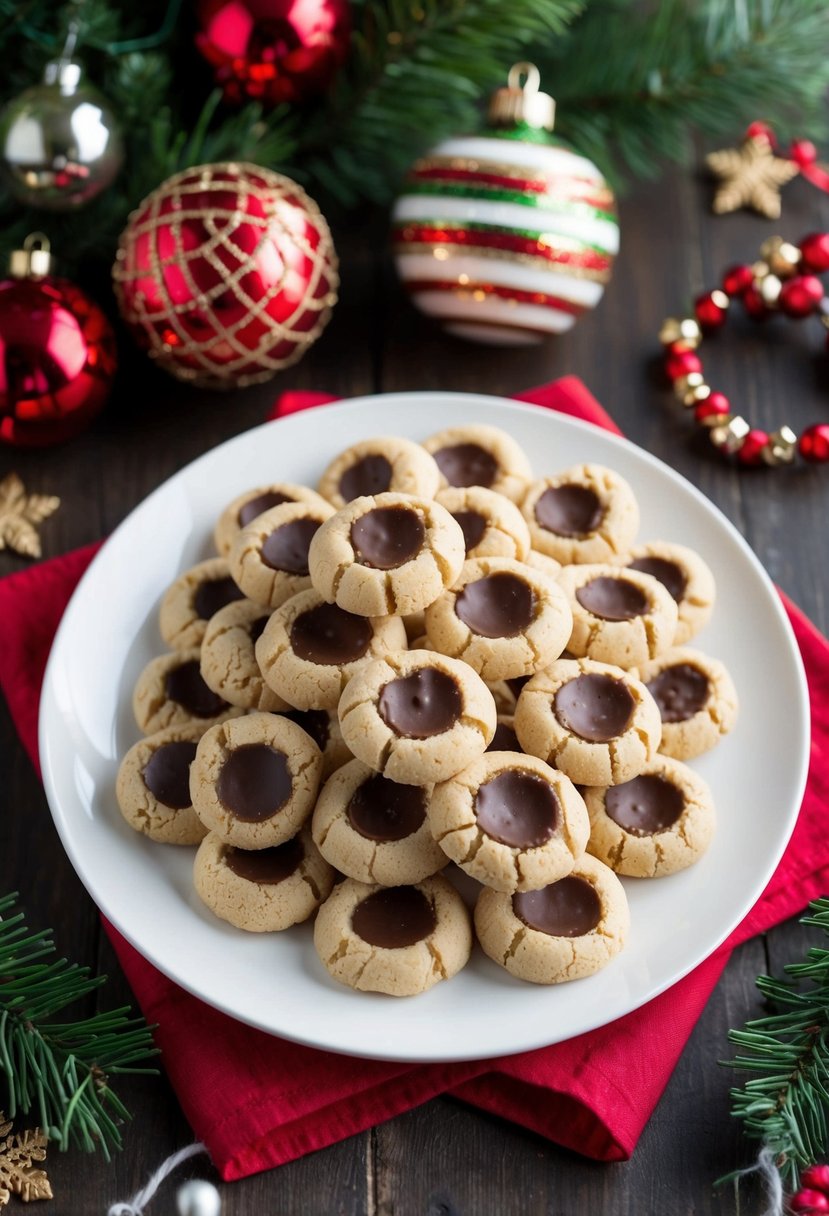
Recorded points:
(60,144)
(198,1198)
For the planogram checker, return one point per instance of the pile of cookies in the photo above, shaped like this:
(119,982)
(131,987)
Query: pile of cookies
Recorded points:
(432,658)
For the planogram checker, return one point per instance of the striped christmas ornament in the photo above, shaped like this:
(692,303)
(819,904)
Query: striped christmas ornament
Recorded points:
(506,236)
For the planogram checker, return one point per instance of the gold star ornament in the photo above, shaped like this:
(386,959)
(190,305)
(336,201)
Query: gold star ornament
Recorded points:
(750,176)
(20,513)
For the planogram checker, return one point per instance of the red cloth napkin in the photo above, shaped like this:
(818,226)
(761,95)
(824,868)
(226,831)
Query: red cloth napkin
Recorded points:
(592,1094)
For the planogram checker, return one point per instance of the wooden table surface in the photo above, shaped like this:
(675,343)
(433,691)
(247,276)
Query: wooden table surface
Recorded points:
(446,1159)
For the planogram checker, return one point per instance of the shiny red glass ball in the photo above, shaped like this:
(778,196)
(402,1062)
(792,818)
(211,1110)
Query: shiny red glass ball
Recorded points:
(737,279)
(801,295)
(813,444)
(682,363)
(709,313)
(814,252)
(57,361)
(807,1200)
(754,304)
(274,51)
(751,451)
(715,405)
(816,1177)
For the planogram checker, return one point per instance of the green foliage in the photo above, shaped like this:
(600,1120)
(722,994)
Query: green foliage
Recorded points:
(786,1102)
(632,85)
(61,1070)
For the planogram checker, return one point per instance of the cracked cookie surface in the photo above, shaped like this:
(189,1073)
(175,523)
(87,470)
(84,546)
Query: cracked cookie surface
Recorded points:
(247,506)
(171,691)
(398,940)
(228,657)
(387,554)
(417,717)
(510,821)
(374,829)
(374,466)
(620,616)
(658,823)
(269,557)
(480,455)
(696,698)
(586,513)
(565,931)
(686,577)
(254,780)
(153,785)
(266,890)
(191,601)
(502,618)
(593,721)
(491,523)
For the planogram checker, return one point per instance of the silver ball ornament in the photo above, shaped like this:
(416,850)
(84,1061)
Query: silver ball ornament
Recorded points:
(198,1198)
(60,143)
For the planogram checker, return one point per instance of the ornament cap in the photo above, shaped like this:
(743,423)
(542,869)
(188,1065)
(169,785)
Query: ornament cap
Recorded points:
(522,102)
(34,260)
(65,73)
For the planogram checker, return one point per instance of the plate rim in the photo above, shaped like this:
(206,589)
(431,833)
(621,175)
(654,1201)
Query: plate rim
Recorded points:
(509,405)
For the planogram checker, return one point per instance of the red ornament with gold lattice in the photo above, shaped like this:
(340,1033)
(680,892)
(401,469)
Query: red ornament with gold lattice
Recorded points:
(226,273)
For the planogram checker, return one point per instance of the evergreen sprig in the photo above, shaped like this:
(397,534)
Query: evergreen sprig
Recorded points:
(60,1069)
(786,1102)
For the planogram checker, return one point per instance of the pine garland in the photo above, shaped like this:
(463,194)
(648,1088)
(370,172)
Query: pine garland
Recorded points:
(61,1070)
(786,1104)
(631,85)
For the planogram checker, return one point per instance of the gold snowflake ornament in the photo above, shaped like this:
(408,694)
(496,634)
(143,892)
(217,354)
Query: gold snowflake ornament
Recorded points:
(20,513)
(18,1153)
(750,176)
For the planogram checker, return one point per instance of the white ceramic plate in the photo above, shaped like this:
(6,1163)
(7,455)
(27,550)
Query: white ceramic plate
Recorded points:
(276,982)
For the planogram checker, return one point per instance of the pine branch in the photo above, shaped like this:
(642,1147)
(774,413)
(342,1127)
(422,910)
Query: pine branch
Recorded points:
(786,1104)
(61,1069)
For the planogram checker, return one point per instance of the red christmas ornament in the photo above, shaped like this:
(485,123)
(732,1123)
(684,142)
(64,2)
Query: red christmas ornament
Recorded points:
(801,295)
(716,405)
(711,309)
(754,304)
(682,363)
(274,50)
(813,444)
(807,1200)
(816,1177)
(751,449)
(814,252)
(737,279)
(226,273)
(57,352)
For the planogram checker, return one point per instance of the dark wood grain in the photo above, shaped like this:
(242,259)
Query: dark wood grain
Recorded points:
(445,1159)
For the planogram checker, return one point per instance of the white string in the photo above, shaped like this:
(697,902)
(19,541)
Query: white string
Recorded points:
(136,1205)
(770,1175)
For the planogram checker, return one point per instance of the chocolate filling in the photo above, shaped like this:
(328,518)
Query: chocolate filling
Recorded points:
(254,782)
(613,599)
(167,773)
(267,866)
(645,805)
(596,707)
(185,686)
(387,537)
(569,510)
(670,575)
(426,703)
(467,464)
(394,917)
(504,739)
(371,475)
(257,506)
(517,808)
(329,635)
(567,908)
(257,628)
(383,810)
(213,594)
(499,605)
(473,526)
(680,691)
(287,547)
(314,722)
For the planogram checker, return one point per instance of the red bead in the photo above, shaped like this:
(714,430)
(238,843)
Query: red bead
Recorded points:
(801,295)
(751,451)
(714,405)
(807,1200)
(682,363)
(737,279)
(754,304)
(816,1177)
(814,251)
(803,152)
(708,312)
(813,444)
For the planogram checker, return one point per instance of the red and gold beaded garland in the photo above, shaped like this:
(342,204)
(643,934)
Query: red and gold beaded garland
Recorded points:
(784,280)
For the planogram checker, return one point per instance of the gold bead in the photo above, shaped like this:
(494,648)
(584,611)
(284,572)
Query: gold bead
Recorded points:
(782,257)
(694,395)
(770,289)
(729,438)
(680,329)
(716,420)
(781,447)
(759,270)
(684,383)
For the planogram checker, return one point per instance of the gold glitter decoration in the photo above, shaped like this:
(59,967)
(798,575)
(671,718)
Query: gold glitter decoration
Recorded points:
(781,447)
(20,513)
(176,297)
(750,176)
(18,1153)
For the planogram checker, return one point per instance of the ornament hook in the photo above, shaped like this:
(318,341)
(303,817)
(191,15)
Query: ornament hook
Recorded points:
(521,100)
(34,260)
(532,82)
